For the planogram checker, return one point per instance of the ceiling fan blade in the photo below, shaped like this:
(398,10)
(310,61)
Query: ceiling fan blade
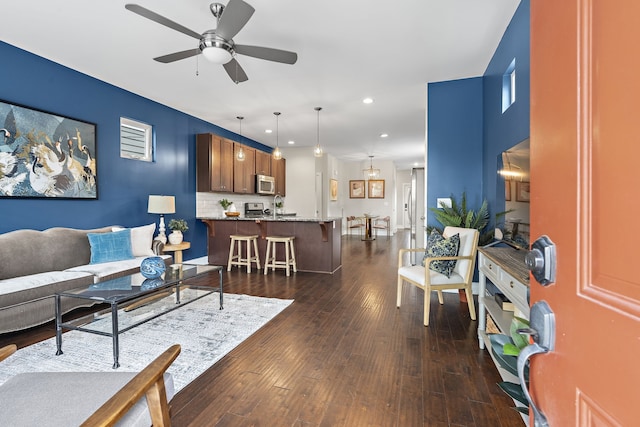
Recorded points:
(165,59)
(267,53)
(234,16)
(146,13)
(235,71)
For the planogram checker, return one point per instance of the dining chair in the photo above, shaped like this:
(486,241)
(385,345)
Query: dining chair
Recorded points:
(455,270)
(382,224)
(354,223)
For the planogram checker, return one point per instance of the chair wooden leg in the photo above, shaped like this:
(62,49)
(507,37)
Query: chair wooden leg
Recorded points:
(399,297)
(472,307)
(440,300)
(427,304)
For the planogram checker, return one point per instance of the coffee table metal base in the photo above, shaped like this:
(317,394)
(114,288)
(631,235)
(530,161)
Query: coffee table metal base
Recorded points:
(118,303)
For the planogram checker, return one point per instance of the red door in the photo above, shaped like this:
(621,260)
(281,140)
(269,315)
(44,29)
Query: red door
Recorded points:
(585,171)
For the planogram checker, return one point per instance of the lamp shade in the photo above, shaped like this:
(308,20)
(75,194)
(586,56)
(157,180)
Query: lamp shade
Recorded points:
(161,204)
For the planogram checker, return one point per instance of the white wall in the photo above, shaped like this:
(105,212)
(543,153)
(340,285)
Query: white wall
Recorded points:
(302,168)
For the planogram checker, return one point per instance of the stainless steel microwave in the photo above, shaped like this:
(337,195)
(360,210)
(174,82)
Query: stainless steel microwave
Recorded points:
(265,184)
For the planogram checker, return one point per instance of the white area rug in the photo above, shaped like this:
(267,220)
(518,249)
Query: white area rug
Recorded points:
(204,332)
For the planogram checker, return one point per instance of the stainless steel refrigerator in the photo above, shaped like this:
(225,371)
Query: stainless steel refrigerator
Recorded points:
(417,207)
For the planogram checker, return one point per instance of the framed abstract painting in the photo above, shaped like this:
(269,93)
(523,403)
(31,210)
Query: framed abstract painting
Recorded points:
(45,155)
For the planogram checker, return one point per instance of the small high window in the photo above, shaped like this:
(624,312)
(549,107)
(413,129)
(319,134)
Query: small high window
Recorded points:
(509,86)
(136,140)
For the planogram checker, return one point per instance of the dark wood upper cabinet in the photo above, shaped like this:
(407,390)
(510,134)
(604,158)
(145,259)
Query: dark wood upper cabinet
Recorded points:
(244,172)
(263,163)
(214,163)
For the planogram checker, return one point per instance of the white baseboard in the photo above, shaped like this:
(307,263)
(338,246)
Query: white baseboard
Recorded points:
(201,261)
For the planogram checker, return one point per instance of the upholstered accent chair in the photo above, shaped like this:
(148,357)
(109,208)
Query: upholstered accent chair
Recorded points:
(461,277)
(89,398)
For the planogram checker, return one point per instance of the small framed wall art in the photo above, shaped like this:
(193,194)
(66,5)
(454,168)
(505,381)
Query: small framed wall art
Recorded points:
(333,189)
(356,189)
(376,188)
(522,191)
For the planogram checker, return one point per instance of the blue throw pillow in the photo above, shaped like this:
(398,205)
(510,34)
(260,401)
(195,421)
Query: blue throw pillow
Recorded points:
(107,247)
(439,246)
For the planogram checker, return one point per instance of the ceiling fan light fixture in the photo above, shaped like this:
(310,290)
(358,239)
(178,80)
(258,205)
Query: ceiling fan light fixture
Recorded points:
(216,55)
(215,49)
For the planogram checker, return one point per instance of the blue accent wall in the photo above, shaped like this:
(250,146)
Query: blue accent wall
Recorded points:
(123,184)
(455,142)
(504,130)
(467,130)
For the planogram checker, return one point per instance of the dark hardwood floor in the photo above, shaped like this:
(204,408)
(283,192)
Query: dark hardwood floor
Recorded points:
(343,355)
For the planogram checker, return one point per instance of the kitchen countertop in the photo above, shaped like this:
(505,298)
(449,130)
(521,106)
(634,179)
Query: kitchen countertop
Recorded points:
(270,218)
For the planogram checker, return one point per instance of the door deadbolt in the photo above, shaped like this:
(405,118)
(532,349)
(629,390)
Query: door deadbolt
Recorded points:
(541,261)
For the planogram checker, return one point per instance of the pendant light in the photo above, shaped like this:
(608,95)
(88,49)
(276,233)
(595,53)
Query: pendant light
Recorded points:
(318,150)
(240,155)
(371,172)
(277,154)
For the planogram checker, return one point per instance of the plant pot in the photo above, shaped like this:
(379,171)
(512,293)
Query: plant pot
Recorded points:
(175,237)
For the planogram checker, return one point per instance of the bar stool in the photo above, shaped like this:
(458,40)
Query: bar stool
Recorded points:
(237,258)
(290,254)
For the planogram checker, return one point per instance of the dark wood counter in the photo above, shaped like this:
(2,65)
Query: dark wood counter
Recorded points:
(317,244)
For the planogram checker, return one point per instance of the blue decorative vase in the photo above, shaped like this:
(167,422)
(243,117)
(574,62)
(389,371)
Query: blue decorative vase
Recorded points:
(152,267)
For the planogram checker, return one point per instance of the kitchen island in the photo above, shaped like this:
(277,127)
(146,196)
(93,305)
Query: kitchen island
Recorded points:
(317,244)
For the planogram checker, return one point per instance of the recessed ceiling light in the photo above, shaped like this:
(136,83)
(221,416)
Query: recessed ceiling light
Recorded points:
(368,100)
(268,131)
(291,142)
(415,164)
(384,135)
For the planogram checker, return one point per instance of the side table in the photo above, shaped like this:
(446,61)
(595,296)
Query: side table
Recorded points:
(177,250)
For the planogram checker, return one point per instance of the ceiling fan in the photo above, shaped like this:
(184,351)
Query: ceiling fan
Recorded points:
(218,45)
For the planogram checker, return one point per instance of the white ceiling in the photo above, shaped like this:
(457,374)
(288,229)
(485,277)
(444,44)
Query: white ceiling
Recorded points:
(347,50)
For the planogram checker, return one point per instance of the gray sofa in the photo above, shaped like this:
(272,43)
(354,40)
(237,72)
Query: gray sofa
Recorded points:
(34,265)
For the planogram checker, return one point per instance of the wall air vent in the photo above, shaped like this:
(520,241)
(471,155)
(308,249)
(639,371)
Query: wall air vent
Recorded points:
(136,140)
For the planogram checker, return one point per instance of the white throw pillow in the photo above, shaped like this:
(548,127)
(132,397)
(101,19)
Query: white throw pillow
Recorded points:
(141,238)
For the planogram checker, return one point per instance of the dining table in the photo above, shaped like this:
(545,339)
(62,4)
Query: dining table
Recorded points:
(368,226)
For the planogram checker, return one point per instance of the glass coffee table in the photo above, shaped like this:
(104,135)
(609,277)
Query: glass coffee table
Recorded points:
(129,294)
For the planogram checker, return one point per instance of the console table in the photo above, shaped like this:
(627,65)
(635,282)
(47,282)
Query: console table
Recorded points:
(505,268)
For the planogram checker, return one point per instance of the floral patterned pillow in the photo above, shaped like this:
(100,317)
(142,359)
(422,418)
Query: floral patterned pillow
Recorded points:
(439,246)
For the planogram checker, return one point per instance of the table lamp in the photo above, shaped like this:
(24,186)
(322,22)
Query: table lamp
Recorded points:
(161,205)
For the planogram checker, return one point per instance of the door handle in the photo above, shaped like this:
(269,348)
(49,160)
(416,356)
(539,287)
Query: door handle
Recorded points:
(543,331)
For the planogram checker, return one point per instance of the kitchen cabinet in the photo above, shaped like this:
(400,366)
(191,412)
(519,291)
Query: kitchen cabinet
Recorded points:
(263,163)
(214,163)
(279,172)
(244,172)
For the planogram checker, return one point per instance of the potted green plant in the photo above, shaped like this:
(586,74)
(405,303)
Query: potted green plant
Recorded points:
(225,203)
(177,227)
